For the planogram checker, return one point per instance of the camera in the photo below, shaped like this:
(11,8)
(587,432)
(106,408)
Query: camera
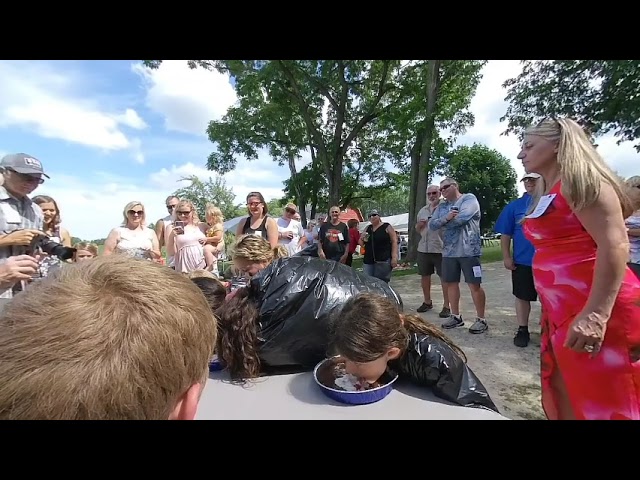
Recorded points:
(50,247)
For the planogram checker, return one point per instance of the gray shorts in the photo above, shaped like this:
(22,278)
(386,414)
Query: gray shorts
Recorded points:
(453,266)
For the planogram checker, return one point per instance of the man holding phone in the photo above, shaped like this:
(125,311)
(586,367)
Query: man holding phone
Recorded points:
(458,216)
(430,253)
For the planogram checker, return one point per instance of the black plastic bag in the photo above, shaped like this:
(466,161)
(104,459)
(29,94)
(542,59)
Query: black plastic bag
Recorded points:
(296,298)
(431,362)
(309,251)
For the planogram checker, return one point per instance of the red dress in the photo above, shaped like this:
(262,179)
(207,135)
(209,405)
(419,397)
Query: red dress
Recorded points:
(606,387)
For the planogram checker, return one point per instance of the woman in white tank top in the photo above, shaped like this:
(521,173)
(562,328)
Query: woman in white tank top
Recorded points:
(133,238)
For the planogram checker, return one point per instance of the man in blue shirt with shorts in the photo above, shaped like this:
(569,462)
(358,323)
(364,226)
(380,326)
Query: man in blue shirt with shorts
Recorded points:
(510,227)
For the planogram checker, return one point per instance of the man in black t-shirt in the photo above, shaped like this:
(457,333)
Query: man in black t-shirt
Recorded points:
(333,238)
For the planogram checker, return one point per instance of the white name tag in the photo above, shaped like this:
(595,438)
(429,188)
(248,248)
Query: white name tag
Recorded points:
(542,206)
(340,237)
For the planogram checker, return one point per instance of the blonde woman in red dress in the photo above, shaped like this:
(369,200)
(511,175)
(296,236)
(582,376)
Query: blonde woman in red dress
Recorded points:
(590,345)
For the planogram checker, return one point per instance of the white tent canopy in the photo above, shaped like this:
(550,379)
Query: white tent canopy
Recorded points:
(400,223)
(231,225)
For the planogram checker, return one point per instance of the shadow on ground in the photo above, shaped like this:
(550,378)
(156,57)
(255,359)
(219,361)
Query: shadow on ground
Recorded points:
(511,374)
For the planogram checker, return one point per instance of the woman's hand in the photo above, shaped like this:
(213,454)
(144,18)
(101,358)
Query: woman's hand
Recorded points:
(586,333)
(202,241)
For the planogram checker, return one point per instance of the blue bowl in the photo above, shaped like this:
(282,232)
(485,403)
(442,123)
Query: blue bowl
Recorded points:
(353,398)
(215,365)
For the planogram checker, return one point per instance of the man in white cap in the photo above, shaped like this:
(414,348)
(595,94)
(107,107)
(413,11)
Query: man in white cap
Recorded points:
(520,261)
(20,219)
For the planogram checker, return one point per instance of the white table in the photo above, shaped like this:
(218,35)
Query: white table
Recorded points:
(297,397)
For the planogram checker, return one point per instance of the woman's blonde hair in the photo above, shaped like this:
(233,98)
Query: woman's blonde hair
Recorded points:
(213,214)
(256,249)
(191,206)
(582,169)
(128,207)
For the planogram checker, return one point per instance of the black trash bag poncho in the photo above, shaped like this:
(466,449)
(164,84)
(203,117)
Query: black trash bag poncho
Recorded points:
(431,362)
(298,298)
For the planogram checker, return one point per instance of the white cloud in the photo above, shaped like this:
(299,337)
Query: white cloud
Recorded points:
(488,105)
(41,100)
(187,99)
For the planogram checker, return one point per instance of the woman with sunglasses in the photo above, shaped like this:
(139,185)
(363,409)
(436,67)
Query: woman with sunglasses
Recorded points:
(133,237)
(290,231)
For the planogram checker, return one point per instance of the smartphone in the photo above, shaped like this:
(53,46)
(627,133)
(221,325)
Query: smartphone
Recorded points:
(179,226)
(454,209)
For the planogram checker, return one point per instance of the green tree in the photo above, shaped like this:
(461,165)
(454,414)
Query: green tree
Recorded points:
(433,97)
(322,104)
(212,191)
(487,174)
(602,95)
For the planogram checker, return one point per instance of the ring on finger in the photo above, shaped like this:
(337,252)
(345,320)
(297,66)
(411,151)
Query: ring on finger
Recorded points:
(588,348)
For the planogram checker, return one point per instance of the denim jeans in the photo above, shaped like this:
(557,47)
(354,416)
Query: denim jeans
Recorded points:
(381,270)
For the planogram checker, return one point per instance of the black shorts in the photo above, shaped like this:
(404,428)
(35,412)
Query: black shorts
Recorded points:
(429,263)
(522,283)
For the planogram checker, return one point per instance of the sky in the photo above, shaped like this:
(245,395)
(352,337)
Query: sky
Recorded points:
(109,132)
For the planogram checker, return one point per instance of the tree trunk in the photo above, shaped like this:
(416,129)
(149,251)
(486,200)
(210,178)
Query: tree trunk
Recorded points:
(335,181)
(421,166)
(414,237)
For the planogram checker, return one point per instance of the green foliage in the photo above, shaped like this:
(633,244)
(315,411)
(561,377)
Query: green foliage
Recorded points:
(602,95)
(405,124)
(488,175)
(200,193)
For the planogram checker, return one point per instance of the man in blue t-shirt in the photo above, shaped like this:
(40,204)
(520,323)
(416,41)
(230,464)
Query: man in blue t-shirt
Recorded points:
(510,227)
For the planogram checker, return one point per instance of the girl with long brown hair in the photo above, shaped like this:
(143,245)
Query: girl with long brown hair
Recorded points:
(282,321)
(371,334)
(52,227)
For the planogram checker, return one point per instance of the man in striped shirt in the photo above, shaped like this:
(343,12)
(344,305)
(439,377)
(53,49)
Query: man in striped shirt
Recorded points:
(20,219)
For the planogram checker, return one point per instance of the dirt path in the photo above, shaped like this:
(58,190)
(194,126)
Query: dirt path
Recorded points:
(511,374)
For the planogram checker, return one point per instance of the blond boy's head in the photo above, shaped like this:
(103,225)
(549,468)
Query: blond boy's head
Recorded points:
(115,338)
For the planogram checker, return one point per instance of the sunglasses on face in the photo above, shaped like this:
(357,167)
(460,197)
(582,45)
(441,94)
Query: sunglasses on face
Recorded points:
(373,215)
(27,178)
(335,213)
(290,210)
(445,187)
(183,212)
(135,212)
(254,204)
(432,193)
(171,207)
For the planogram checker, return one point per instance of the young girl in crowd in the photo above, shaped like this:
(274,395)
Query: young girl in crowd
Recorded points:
(85,251)
(371,334)
(214,241)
